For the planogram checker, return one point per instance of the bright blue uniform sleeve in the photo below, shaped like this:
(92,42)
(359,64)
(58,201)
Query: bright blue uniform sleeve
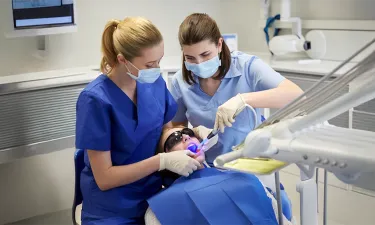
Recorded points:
(176,93)
(170,106)
(93,127)
(262,76)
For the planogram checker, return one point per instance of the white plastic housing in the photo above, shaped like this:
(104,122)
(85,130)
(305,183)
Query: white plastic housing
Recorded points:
(284,44)
(308,202)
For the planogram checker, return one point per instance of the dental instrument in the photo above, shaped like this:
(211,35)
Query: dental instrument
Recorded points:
(300,134)
(194,148)
(239,110)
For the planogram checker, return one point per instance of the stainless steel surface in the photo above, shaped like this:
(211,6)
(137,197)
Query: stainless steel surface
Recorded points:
(278,198)
(341,120)
(317,186)
(12,154)
(325,195)
(364,121)
(30,85)
(367,107)
(38,116)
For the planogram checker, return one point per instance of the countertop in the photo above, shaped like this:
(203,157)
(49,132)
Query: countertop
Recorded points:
(173,63)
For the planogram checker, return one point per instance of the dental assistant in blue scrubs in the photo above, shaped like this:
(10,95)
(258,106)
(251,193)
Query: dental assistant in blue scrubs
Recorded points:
(214,82)
(120,117)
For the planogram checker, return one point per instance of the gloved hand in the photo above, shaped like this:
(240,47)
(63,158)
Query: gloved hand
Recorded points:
(201,158)
(180,162)
(201,131)
(226,112)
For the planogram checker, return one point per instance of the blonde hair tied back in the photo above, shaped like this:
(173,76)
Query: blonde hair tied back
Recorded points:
(128,38)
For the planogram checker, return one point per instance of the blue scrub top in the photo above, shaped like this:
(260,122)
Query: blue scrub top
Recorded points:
(246,74)
(107,120)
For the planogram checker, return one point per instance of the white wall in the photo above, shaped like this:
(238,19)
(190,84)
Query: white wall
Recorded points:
(44,184)
(83,48)
(243,16)
(36,185)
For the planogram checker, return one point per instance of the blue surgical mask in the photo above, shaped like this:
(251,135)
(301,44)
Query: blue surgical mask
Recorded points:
(145,75)
(205,69)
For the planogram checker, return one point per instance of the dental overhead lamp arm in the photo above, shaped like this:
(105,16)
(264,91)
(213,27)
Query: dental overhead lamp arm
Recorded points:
(285,17)
(310,140)
(314,44)
(300,134)
(281,45)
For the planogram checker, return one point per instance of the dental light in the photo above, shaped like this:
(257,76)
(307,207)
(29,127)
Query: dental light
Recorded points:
(300,134)
(314,45)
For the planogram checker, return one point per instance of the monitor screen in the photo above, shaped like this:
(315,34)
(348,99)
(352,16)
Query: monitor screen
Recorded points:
(42,13)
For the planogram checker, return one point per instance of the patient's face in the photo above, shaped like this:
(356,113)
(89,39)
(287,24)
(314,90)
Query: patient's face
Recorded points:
(179,139)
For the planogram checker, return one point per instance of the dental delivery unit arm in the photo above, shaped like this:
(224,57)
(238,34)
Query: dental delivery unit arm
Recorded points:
(299,133)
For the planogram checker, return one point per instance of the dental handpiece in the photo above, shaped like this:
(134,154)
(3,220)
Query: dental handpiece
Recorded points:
(195,148)
(214,132)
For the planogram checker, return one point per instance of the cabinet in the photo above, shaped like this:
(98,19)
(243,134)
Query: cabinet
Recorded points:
(364,121)
(37,116)
(364,116)
(37,121)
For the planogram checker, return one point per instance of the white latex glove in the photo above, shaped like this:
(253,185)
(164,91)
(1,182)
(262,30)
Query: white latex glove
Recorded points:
(180,162)
(201,131)
(226,112)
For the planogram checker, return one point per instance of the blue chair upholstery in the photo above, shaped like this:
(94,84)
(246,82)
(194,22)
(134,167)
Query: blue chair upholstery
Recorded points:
(79,164)
(285,202)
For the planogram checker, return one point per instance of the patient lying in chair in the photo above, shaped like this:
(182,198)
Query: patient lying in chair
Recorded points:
(209,195)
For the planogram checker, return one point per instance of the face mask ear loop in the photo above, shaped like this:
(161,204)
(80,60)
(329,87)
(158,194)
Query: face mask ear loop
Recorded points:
(220,51)
(220,55)
(133,66)
(127,69)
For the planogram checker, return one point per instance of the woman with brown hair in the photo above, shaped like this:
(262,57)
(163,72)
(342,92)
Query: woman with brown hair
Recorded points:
(214,83)
(120,117)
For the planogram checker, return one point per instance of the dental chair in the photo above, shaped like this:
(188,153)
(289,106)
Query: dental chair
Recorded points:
(79,164)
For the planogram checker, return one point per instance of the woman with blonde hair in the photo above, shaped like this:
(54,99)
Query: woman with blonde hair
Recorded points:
(120,117)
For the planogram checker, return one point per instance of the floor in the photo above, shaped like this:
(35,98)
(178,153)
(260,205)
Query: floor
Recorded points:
(64,218)
(57,218)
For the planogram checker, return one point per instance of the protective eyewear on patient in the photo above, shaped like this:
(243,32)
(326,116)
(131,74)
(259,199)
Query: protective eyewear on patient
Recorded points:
(176,137)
